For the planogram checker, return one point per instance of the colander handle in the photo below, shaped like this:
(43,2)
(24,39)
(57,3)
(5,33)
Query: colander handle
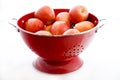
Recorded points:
(101,23)
(13,22)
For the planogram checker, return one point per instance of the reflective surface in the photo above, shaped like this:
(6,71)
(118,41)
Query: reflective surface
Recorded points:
(101,58)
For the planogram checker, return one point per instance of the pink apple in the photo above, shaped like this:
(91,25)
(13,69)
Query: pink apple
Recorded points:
(34,25)
(63,16)
(78,13)
(46,14)
(43,32)
(71,32)
(83,26)
(59,27)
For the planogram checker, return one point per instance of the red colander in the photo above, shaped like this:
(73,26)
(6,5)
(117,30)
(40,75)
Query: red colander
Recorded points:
(57,54)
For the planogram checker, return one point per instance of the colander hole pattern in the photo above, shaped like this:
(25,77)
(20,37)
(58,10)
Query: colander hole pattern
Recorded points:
(74,51)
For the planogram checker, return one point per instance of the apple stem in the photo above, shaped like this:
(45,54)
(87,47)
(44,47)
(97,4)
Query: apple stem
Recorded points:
(83,10)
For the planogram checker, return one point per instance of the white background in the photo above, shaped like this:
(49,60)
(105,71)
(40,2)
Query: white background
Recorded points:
(101,58)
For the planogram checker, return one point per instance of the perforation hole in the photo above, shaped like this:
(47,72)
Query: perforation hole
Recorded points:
(74,51)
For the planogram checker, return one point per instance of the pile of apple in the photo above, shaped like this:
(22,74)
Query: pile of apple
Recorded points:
(45,22)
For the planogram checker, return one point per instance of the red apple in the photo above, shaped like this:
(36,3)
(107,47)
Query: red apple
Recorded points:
(34,25)
(59,27)
(83,26)
(78,13)
(63,16)
(43,32)
(46,14)
(71,32)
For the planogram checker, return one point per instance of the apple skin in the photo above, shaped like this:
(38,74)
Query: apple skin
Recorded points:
(59,27)
(71,32)
(46,14)
(83,26)
(34,25)
(78,13)
(63,16)
(43,32)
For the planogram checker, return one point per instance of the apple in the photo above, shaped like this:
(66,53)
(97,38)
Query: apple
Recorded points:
(78,13)
(46,14)
(71,32)
(59,27)
(47,28)
(43,32)
(83,26)
(34,25)
(63,16)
